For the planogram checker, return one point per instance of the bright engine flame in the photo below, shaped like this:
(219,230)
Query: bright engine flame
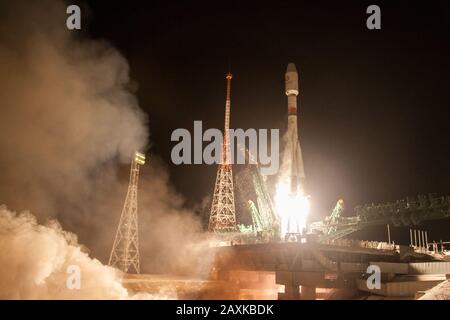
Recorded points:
(293,209)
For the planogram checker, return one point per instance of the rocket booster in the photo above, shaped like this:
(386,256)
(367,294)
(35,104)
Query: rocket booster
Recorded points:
(291,84)
(292,159)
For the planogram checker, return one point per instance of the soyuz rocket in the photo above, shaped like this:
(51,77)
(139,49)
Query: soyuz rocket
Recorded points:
(292,162)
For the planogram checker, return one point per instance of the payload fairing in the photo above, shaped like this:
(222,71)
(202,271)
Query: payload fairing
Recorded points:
(292,164)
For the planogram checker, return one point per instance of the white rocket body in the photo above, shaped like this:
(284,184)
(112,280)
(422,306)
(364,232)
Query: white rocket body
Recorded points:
(292,164)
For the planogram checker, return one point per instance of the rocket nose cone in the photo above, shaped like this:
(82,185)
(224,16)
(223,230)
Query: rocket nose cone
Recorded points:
(291,68)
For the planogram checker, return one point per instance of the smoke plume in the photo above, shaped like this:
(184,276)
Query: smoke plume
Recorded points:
(65,109)
(35,260)
(69,124)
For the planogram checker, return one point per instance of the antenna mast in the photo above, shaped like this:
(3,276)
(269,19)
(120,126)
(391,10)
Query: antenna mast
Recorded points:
(222,216)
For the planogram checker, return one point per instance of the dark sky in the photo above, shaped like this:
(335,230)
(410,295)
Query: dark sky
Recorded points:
(374,105)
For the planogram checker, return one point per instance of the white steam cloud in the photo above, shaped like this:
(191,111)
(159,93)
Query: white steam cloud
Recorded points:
(65,108)
(67,119)
(35,260)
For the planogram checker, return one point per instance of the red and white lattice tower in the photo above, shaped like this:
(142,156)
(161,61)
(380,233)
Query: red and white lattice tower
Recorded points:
(222,216)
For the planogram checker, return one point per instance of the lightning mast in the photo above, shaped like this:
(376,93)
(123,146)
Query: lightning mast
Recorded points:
(125,250)
(222,216)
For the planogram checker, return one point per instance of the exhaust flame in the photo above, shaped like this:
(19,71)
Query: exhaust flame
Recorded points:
(293,209)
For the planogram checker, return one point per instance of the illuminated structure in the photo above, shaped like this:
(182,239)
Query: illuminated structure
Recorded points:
(292,202)
(125,250)
(222,216)
(408,212)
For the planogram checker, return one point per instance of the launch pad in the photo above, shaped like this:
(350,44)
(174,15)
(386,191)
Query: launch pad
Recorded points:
(280,255)
(303,271)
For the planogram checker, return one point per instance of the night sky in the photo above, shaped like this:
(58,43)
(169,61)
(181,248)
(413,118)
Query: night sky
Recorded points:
(373,108)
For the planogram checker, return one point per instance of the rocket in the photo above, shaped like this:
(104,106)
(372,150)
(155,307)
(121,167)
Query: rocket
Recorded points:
(292,163)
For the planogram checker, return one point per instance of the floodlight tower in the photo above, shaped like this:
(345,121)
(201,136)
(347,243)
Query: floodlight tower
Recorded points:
(222,216)
(125,250)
